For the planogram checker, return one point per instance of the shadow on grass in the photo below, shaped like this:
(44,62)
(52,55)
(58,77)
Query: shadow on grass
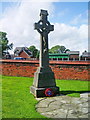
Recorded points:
(71,92)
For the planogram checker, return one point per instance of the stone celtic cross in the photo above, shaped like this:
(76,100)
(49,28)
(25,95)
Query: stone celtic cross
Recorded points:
(44,79)
(44,28)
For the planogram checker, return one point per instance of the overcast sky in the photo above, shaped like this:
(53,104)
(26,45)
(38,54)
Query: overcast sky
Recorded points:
(70,20)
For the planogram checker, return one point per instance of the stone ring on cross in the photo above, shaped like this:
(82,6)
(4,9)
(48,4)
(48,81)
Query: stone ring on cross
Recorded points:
(47,27)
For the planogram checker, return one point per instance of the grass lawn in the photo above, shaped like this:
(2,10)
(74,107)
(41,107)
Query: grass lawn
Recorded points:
(73,87)
(18,102)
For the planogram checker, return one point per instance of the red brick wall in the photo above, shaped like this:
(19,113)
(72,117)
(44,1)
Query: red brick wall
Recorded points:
(74,56)
(63,70)
(24,55)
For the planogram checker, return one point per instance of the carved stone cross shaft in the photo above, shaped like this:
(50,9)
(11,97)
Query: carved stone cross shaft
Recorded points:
(44,28)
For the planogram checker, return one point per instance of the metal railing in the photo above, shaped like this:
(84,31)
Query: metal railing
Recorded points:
(70,59)
(63,59)
(59,59)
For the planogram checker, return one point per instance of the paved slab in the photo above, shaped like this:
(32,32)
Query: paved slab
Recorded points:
(65,106)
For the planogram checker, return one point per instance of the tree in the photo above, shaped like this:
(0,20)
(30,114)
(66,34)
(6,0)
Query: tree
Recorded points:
(58,49)
(34,51)
(4,44)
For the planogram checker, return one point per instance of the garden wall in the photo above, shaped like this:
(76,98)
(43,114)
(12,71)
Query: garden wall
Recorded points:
(74,70)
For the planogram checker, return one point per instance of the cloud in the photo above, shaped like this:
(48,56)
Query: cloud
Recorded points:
(18,22)
(62,13)
(31,0)
(45,0)
(71,37)
(80,19)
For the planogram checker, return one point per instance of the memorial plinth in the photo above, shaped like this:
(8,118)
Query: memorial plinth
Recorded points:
(44,77)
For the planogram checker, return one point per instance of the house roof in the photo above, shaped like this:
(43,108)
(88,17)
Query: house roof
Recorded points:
(18,50)
(86,54)
(73,52)
(58,55)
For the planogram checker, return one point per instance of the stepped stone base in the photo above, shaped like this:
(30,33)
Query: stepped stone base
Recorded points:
(43,79)
(40,92)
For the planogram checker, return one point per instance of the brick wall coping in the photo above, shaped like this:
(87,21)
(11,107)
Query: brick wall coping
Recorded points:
(51,62)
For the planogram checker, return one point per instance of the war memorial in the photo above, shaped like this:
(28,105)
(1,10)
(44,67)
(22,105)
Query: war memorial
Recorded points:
(44,80)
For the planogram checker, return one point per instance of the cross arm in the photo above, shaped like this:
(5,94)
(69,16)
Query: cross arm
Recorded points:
(38,27)
(51,28)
